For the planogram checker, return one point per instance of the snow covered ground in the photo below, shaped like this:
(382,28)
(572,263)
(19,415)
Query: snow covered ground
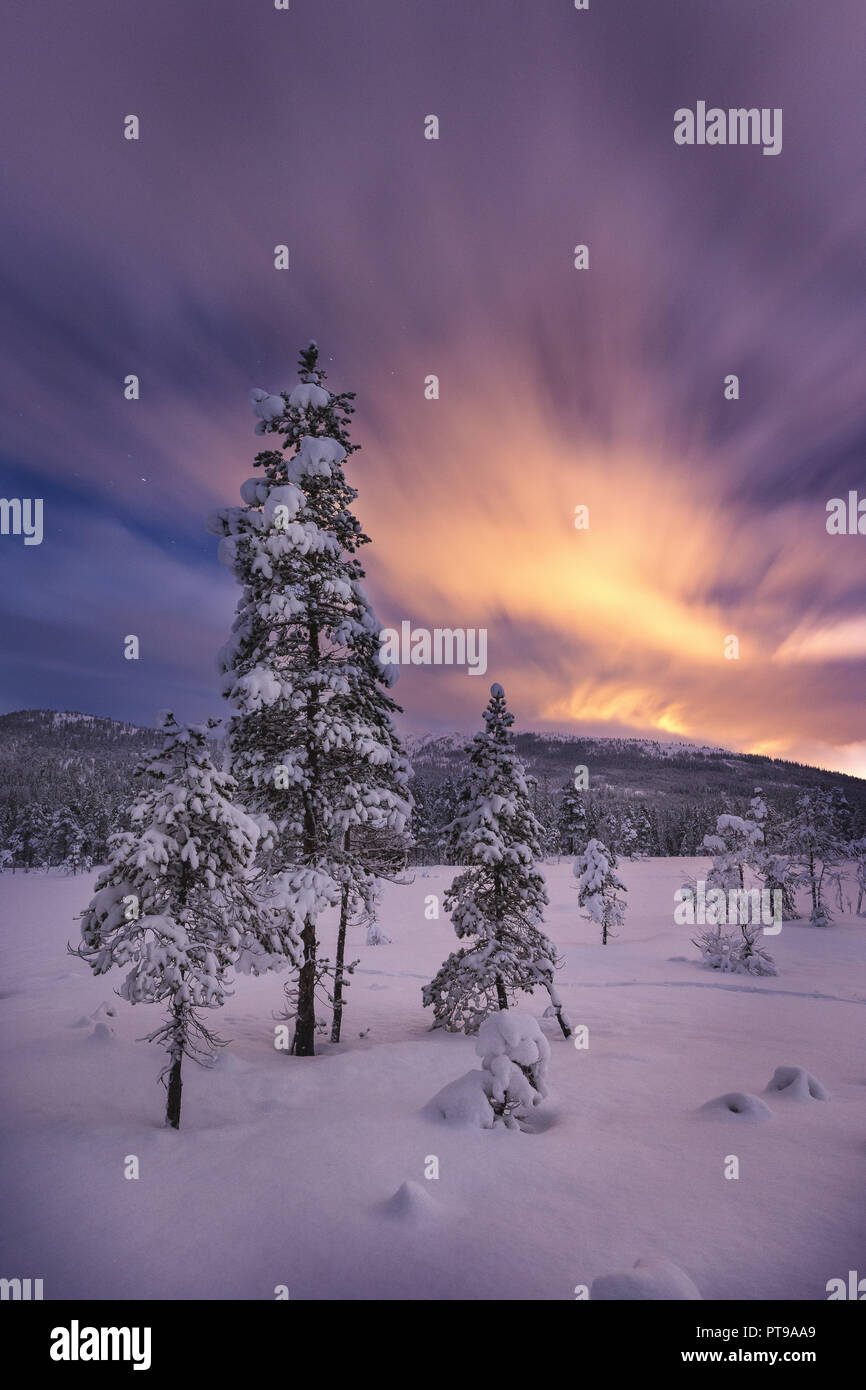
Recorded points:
(284,1170)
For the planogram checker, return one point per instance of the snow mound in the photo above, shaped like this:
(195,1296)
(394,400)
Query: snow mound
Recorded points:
(655,1278)
(464,1102)
(410,1203)
(797,1083)
(738,1105)
(226,1061)
(102,1034)
(102,1026)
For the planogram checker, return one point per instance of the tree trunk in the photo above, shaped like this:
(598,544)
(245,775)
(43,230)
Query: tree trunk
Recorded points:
(501,994)
(175,1086)
(561,1016)
(304,1042)
(563,1022)
(337,1020)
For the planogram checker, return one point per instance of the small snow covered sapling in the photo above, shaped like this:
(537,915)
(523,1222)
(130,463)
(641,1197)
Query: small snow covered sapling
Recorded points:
(514,1058)
(715,947)
(749,959)
(600,887)
(376,935)
(173,903)
(735,954)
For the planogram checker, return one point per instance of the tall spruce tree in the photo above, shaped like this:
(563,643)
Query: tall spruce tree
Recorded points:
(174,903)
(500,899)
(311,738)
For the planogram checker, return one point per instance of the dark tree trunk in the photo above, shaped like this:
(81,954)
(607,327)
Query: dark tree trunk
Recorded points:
(562,1021)
(304,1042)
(337,1021)
(501,994)
(175,1086)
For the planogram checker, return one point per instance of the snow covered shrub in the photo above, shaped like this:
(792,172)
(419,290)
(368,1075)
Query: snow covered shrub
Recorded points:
(748,959)
(600,887)
(735,952)
(375,933)
(715,947)
(499,900)
(514,1059)
(174,903)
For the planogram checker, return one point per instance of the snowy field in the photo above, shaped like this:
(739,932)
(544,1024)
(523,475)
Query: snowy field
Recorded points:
(283,1170)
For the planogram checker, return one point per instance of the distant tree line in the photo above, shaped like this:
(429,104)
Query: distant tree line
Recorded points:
(631,826)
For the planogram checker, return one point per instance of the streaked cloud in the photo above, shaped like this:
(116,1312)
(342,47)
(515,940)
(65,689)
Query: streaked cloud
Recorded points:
(558,388)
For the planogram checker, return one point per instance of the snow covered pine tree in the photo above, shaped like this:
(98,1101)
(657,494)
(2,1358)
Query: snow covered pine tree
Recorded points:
(499,900)
(599,887)
(815,847)
(572,820)
(174,901)
(312,739)
(736,845)
(770,863)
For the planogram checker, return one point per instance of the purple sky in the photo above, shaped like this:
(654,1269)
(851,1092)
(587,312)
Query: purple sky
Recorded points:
(452,257)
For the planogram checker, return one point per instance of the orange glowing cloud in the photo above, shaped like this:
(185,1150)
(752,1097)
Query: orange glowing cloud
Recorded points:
(620,627)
